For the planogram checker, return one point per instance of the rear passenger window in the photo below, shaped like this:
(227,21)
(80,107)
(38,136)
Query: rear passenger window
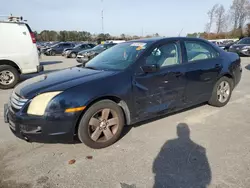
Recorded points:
(199,51)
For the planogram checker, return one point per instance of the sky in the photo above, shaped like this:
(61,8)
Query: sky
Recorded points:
(132,17)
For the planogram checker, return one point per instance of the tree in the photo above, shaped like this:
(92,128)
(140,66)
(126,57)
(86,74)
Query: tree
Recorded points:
(156,35)
(248,30)
(220,18)
(211,14)
(194,35)
(240,11)
(123,36)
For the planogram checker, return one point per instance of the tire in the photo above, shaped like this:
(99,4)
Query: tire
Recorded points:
(73,55)
(9,71)
(86,131)
(52,53)
(215,98)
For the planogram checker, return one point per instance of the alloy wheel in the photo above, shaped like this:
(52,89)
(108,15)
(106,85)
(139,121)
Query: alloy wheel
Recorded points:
(103,125)
(223,91)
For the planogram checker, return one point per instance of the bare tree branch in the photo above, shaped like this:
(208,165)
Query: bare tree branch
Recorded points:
(220,18)
(240,12)
(211,18)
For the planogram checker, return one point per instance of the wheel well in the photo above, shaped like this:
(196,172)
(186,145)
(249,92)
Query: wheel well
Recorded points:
(117,100)
(10,63)
(229,76)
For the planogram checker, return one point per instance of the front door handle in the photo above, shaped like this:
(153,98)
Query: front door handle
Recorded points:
(178,74)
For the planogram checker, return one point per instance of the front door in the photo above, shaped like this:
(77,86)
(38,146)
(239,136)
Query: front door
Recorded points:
(161,91)
(203,67)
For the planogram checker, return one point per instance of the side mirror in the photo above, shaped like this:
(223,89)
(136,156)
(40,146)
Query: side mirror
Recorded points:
(150,68)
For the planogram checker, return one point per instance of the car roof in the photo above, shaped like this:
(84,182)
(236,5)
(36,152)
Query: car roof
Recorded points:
(157,39)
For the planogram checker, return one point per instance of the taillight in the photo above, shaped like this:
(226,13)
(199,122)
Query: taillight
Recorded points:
(33,38)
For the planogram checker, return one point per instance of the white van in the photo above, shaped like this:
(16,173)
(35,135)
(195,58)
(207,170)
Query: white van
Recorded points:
(18,52)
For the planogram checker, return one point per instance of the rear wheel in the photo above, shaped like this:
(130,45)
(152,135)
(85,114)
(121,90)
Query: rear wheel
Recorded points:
(101,125)
(222,92)
(9,77)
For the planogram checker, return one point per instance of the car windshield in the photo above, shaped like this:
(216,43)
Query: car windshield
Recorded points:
(54,45)
(98,47)
(118,57)
(78,46)
(244,41)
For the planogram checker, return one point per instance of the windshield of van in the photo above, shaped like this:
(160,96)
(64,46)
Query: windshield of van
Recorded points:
(118,57)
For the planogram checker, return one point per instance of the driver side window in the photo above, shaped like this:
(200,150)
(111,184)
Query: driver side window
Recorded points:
(165,55)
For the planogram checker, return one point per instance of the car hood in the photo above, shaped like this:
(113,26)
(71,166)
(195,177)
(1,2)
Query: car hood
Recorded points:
(239,45)
(59,81)
(84,51)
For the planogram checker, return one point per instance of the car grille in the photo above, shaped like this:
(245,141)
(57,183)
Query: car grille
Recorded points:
(16,101)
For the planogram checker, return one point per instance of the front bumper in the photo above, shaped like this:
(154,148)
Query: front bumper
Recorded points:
(51,128)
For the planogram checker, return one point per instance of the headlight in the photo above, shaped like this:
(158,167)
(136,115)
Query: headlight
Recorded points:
(246,47)
(39,103)
(231,47)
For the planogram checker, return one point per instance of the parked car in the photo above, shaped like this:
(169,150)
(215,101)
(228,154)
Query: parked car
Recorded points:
(46,45)
(86,55)
(72,53)
(128,83)
(58,48)
(18,52)
(241,47)
(229,44)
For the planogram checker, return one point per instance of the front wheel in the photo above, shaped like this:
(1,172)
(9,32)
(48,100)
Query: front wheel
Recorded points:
(101,125)
(52,53)
(73,55)
(222,92)
(9,77)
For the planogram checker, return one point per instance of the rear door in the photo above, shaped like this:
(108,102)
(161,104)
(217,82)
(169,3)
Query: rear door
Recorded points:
(203,67)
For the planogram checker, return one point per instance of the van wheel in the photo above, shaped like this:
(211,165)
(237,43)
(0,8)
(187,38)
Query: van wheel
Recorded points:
(9,77)
(101,125)
(222,92)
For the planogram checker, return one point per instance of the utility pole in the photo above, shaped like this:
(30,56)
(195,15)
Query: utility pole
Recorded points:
(102,19)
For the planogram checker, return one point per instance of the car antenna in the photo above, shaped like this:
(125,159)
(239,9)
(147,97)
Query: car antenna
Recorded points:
(181,32)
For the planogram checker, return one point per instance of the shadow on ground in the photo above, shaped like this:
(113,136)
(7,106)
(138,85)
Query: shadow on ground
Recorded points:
(247,67)
(50,62)
(182,163)
(5,174)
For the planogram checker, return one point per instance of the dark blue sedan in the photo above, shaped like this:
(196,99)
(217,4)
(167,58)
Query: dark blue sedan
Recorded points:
(126,84)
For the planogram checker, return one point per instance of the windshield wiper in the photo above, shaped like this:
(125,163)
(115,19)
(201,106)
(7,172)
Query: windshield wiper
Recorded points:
(93,68)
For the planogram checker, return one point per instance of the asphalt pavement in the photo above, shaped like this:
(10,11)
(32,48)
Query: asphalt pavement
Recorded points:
(200,147)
